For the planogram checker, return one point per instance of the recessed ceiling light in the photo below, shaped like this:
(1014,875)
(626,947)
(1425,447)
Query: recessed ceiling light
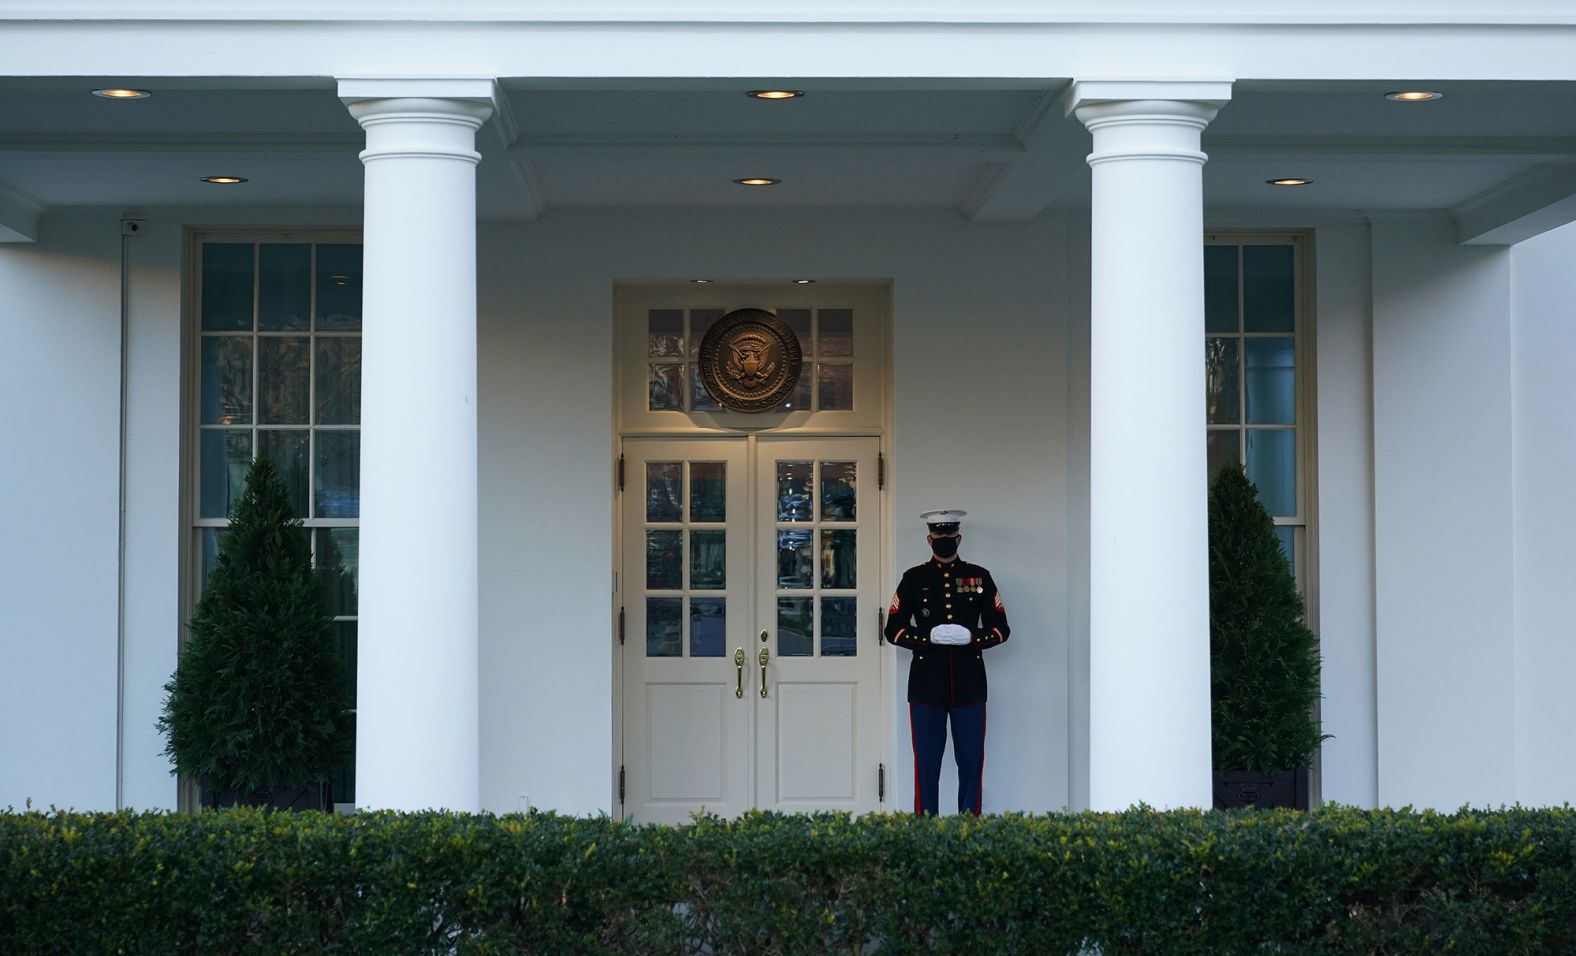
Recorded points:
(804,282)
(1414,96)
(224,180)
(1290,181)
(122,93)
(758,181)
(775,94)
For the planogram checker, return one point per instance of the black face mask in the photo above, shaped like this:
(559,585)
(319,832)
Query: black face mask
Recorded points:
(944,547)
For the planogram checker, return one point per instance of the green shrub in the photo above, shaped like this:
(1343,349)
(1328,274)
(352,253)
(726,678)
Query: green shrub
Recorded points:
(1337,880)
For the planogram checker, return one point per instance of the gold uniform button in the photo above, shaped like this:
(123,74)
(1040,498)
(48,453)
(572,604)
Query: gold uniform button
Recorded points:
(949,607)
(949,617)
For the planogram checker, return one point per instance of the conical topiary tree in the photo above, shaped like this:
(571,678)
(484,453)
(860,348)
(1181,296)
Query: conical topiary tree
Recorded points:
(257,701)
(1264,662)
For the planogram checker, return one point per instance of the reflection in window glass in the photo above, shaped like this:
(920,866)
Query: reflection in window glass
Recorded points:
(795,568)
(664,627)
(837,386)
(1272,466)
(339,287)
(338,474)
(665,388)
(1223,449)
(838,562)
(1222,392)
(665,560)
(1287,535)
(709,491)
(339,380)
(799,399)
(1271,381)
(227,286)
(700,396)
(708,626)
(708,560)
(701,321)
(664,497)
(665,332)
(284,287)
(1268,288)
(793,490)
(795,627)
(337,557)
(839,627)
(282,380)
(798,321)
(226,455)
(226,380)
(839,490)
(288,451)
(1220,288)
(834,332)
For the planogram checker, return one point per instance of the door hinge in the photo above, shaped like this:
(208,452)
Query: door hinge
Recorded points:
(620,783)
(881,783)
(880,471)
(620,626)
(880,626)
(620,472)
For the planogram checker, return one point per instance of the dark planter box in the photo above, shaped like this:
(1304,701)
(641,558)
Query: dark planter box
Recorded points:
(1235,789)
(316,796)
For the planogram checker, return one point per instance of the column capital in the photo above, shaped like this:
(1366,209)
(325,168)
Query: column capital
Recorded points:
(416,117)
(1206,93)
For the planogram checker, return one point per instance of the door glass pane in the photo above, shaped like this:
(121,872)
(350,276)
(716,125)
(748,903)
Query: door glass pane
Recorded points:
(837,558)
(665,560)
(708,491)
(1220,288)
(338,474)
(837,386)
(1272,466)
(1223,449)
(664,495)
(795,568)
(337,560)
(1222,393)
(287,449)
(838,490)
(793,490)
(664,627)
(1271,381)
(665,388)
(838,626)
(708,626)
(339,287)
(708,560)
(339,380)
(835,332)
(226,455)
(226,380)
(284,287)
(226,287)
(795,627)
(1268,297)
(282,382)
(665,332)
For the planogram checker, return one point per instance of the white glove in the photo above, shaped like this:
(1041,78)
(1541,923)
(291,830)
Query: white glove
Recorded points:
(950,634)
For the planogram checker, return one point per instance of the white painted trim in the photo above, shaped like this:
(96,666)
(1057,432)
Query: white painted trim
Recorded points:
(19,215)
(1533,202)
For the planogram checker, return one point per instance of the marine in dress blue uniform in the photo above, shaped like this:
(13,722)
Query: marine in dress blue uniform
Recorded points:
(947,612)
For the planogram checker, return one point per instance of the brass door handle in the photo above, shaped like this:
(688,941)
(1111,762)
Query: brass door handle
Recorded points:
(738,662)
(763,657)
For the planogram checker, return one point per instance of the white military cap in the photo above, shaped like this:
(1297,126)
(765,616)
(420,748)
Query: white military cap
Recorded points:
(945,521)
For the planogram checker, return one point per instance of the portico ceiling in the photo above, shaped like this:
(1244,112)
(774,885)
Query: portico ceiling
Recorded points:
(992,149)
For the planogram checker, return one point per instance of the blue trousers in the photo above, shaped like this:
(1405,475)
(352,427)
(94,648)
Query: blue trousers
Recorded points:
(928,724)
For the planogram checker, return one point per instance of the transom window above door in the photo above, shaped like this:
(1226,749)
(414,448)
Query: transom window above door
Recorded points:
(840,328)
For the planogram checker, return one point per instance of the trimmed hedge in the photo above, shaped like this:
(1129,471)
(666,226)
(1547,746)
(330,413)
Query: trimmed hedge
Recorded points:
(1336,880)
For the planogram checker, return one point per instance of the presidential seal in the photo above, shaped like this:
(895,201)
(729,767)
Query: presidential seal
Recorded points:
(750,361)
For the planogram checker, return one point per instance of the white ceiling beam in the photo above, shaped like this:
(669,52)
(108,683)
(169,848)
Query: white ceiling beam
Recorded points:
(1526,205)
(531,146)
(1408,148)
(19,215)
(1019,188)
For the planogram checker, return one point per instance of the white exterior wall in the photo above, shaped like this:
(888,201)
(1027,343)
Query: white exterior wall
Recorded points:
(979,365)
(1343,518)
(1544,357)
(1443,546)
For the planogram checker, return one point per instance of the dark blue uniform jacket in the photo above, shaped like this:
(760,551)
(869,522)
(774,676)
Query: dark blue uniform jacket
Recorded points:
(957,593)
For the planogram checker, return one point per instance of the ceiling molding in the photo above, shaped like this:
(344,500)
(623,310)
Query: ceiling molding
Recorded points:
(19,215)
(533,204)
(1526,205)
(1391,147)
(531,145)
(503,121)
(1020,190)
(985,186)
(182,143)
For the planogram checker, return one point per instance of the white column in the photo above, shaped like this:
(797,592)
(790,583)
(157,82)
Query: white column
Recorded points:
(416,727)
(1149,703)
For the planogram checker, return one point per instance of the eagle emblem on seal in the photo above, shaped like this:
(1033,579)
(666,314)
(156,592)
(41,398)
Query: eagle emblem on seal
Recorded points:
(751,363)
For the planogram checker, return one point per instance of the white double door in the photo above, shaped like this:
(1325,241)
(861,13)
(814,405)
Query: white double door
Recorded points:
(752,655)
